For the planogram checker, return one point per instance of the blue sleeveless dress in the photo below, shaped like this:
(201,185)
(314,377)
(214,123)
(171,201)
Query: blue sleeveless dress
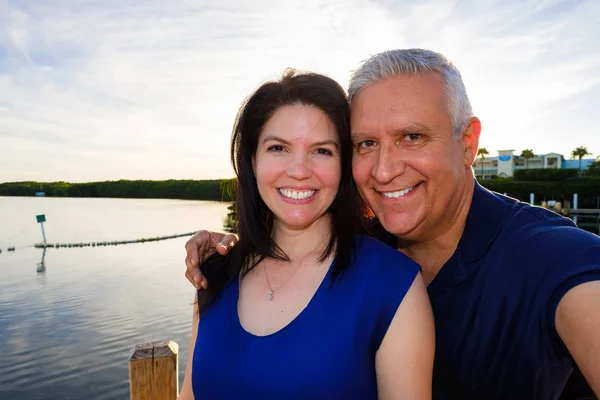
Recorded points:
(326,352)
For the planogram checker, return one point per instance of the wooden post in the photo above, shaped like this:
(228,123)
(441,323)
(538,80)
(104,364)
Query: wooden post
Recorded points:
(153,371)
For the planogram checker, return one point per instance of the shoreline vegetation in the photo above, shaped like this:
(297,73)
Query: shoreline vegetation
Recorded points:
(187,189)
(559,187)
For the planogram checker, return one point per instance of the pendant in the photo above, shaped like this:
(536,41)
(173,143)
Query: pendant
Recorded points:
(270,294)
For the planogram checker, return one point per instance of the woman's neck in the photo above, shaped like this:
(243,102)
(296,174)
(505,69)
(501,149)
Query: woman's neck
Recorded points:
(299,242)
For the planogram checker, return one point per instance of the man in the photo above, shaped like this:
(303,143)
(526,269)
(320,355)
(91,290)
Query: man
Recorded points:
(515,289)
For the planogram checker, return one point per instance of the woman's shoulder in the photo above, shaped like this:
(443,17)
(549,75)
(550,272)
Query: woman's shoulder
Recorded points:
(370,248)
(382,261)
(386,276)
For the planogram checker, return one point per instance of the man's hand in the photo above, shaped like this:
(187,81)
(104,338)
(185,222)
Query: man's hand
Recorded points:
(201,246)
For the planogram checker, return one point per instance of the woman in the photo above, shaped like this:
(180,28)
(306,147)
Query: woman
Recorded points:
(305,306)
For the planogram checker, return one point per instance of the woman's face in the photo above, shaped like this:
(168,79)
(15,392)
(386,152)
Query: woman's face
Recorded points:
(298,165)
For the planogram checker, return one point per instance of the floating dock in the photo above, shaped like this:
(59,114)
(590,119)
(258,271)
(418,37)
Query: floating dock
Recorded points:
(109,243)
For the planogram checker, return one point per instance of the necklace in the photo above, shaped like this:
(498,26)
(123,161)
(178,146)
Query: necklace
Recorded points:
(271,290)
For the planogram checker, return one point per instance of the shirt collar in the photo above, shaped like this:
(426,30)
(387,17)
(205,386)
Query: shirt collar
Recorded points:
(484,221)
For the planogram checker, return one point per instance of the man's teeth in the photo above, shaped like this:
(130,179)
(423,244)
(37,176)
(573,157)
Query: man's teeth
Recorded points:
(395,195)
(297,194)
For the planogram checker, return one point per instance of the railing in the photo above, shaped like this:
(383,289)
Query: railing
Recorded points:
(587,218)
(153,371)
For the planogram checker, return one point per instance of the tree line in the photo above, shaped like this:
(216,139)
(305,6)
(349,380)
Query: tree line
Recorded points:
(216,189)
(588,190)
(559,185)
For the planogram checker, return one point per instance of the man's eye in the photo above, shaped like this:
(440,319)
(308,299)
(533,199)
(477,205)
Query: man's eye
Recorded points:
(411,137)
(366,144)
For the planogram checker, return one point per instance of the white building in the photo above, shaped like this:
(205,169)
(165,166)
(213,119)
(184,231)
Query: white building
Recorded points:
(504,165)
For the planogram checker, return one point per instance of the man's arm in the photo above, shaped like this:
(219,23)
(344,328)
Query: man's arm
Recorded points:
(578,325)
(201,246)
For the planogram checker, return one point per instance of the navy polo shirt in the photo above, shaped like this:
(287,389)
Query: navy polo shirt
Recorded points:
(495,300)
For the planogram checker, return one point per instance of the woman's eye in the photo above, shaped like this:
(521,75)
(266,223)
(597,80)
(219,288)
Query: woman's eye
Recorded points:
(275,147)
(325,152)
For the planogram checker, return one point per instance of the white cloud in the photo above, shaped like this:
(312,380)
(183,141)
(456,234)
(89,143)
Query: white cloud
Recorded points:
(148,89)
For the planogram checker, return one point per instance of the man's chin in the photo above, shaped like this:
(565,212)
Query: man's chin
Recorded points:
(402,228)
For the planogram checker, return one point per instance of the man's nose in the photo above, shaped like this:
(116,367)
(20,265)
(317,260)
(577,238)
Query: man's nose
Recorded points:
(389,164)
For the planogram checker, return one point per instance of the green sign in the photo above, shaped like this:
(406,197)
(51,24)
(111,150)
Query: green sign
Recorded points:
(41,218)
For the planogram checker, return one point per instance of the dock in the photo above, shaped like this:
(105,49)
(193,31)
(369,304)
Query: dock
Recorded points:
(585,218)
(580,211)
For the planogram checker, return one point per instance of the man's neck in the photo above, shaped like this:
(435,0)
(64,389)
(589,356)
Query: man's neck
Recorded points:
(432,254)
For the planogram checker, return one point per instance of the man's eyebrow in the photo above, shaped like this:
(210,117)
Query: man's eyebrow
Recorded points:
(405,130)
(359,135)
(413,128)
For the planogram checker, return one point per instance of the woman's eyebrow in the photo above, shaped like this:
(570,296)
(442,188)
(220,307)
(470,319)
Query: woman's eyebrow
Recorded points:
(321,143)
(275,138)
(327,142)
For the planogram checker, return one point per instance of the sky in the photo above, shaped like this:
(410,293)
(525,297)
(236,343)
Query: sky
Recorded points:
(144,89)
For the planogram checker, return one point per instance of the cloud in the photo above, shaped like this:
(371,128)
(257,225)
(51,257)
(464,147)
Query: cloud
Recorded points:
(148,89)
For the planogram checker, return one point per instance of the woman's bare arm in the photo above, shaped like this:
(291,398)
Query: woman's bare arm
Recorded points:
(404,361)
(186,392)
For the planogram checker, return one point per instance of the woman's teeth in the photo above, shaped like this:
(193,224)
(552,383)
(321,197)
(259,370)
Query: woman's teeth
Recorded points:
(297,194)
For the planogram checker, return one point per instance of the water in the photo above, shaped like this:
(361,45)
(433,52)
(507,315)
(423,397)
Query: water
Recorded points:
(66,332)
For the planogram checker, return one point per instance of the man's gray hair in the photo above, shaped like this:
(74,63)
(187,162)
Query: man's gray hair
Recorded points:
(416,62)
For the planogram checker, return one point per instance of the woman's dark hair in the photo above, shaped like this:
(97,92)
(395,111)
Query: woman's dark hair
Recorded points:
(254,219)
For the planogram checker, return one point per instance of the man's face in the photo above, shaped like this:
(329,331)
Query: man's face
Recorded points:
(406,163)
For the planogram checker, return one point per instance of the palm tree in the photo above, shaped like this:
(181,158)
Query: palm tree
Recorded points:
(594,168)
(482,152)
(527,154)
(580,152)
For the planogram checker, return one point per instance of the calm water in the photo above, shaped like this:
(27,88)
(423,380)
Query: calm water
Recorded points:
(66,332)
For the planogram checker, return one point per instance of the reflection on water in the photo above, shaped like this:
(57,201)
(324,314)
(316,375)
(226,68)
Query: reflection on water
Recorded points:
(41,267)
(68,317)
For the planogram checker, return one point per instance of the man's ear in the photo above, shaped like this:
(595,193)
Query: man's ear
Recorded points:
(470,141)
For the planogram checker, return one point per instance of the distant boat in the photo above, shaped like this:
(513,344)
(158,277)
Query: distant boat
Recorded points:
(40,194)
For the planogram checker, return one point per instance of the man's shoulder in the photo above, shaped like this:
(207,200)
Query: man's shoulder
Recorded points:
(532,225)
(524,222)
(512,233)
(532,241)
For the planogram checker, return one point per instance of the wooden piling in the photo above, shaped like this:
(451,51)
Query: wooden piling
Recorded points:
(153,371)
